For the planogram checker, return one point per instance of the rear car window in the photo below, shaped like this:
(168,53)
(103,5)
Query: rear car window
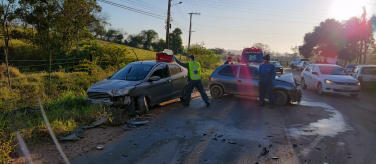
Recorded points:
(248,73)
(174,69)
(132,72)
(231,71)
(368,71)
(162,72)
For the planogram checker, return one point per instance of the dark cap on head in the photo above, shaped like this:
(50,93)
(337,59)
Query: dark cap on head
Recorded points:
(191,57)
(266,57)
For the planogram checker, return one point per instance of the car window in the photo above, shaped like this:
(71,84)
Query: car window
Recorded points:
(231,71)
(132,72)
(356,69)
(297,60)
(174,69)
(309,69)
(332,70)
(248,73)
(368,71)
(162,71)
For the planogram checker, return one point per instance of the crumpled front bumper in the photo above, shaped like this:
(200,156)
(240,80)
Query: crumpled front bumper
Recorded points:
(295,95)
(114,101)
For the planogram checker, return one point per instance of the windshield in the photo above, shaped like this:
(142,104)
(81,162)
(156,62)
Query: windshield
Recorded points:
(332,70)
(252,57)
(132,72)
(275,63)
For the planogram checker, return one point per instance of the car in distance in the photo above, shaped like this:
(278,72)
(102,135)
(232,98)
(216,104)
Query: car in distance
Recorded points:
(278,67)
(350,67)
(139,85)
(329,78)
(366,74)
(252,56)
(302,65)
(294,63)
(239,79)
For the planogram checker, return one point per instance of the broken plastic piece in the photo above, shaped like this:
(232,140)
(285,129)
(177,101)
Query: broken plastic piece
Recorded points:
(100,147)
(135,122)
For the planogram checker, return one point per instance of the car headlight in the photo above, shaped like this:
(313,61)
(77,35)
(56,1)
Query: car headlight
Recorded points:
(329,82)
(122,91)
(358,83)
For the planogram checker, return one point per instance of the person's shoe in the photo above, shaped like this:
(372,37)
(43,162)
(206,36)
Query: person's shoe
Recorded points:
(261,105)
(207,104)
(186,105)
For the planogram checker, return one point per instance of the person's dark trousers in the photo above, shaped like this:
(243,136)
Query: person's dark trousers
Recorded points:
(191,85)
(265,88)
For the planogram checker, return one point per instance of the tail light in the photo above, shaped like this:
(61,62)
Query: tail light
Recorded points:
(209,78)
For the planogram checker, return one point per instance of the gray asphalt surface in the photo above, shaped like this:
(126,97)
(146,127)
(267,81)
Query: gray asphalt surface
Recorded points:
(321,129)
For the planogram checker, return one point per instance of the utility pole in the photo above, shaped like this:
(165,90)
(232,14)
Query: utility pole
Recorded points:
(168,24)
(190,29)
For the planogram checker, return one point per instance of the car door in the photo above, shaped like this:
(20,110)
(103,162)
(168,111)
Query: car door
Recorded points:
(179,80)
(227,77)
(161,90)
(315,78)
(247,81)
(307,75)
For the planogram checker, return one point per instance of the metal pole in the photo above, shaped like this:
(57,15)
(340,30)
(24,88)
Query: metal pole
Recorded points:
(190,29)
(168,24)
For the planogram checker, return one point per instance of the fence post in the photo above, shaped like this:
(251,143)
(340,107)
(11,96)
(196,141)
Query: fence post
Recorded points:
(50,68)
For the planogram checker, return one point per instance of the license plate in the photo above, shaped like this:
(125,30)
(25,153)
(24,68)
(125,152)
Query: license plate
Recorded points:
(346,88)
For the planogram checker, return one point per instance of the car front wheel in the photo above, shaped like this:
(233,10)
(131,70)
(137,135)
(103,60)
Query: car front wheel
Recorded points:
(319,89)
(280,98)
(216,91)
(143,105)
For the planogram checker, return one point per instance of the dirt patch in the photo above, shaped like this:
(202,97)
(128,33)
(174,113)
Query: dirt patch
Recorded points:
(48,153)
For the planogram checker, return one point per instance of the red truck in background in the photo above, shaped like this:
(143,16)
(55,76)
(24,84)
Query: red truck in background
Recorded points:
(252,56)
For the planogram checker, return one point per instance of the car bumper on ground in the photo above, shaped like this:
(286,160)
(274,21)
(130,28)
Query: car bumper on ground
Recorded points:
(352,89)
(295,95)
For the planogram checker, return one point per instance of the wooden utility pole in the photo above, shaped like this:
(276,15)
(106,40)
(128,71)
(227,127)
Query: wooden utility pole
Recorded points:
(190,29)
(168,24)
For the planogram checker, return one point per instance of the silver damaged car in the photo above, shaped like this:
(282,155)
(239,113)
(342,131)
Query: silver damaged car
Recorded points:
(244,80)
(139,85)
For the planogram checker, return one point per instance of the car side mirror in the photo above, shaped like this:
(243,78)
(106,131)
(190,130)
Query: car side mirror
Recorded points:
(155,78)
(315,73)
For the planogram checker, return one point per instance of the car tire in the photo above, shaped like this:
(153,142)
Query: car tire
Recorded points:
(143,105)
(182,98)
(304,86)
(280,98)
(131,108)
(319,89)
(354,95)
(216,92)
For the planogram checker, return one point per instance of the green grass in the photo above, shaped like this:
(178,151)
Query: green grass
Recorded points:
(141,53)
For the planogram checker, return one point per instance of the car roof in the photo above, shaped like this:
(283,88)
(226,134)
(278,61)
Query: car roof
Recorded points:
(352,64)
(151,62)
(254,66)
(325,65)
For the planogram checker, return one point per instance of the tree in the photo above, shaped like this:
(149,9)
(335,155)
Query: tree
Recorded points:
(159,45)
(7,23)
(135,41)
(176,43)
(207,58)
(217,50)
(148,37)
(326,40)
(265,48)
(111,35)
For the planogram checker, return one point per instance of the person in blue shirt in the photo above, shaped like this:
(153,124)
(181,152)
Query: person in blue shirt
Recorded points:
(267,75)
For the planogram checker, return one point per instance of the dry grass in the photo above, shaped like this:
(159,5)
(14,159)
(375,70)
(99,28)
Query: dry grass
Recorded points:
(14,72)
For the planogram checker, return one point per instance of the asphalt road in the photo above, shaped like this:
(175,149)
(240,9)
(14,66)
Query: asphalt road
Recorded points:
(321,129)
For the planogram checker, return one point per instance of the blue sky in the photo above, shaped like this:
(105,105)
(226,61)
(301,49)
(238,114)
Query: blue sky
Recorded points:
(235,24)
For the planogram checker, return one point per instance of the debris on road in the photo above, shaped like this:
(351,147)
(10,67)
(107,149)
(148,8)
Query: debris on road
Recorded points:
(259,145)
(275,158)
(137,122)
(223,140)
(231,142)
(317,148)
(215,139)
(100,147)
(204,134)
(264,151)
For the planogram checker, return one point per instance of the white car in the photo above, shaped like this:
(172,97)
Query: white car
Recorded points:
(366,74)
(302,65)
(329,78)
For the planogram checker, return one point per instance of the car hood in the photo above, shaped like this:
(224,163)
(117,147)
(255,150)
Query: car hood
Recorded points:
(286,78)
(108,84)
(340,78)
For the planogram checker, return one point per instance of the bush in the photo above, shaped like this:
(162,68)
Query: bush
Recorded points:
(14,72)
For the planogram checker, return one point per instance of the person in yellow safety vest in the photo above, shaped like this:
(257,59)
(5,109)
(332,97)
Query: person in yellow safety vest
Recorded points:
(194,80)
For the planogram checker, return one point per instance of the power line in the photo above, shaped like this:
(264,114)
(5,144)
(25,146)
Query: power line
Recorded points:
(262,20)
(144,6)
(133,9)
(247,11)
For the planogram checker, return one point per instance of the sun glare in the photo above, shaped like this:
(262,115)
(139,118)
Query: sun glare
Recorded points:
(345,9)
